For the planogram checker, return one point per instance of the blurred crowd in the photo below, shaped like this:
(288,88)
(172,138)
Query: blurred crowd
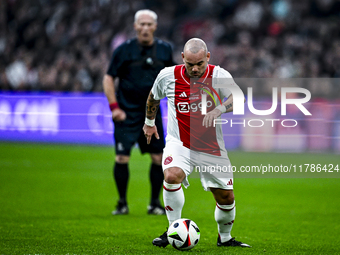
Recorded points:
(55,45)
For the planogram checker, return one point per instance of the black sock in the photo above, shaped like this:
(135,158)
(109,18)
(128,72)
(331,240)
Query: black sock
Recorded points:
(156,178)
(121,177)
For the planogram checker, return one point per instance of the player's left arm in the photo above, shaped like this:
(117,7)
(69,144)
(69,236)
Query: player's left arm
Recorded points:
(149,128)
(227,106)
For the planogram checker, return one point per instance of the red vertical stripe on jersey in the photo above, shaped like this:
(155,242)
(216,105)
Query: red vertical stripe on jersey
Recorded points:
(191,132)
(182,106)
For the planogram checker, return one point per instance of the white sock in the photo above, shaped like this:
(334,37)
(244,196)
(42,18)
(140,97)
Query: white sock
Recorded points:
(173,197)
(225,216)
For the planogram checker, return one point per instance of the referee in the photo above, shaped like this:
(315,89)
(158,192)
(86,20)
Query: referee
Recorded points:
(136,64)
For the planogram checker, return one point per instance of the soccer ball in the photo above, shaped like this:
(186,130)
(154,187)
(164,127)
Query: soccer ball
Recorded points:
(183,234)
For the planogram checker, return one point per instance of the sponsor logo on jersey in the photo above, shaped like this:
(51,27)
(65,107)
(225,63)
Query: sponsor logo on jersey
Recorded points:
(185,107)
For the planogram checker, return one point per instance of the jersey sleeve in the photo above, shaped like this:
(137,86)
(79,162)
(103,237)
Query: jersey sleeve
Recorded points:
(159,87)
(223,80)
(116,62)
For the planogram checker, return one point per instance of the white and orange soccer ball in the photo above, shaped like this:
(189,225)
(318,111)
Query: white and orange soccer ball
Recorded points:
(183,234)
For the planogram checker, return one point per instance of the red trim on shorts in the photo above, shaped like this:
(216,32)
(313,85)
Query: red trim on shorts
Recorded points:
(225,210)
(171,190)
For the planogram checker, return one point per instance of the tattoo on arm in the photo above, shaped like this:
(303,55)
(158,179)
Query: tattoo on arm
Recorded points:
(229,106)
(152,106)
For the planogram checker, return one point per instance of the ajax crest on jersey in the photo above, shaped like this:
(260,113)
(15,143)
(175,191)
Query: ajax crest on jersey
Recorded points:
(183,234)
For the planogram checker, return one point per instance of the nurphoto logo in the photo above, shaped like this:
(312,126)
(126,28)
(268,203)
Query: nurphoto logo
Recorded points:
(239,105)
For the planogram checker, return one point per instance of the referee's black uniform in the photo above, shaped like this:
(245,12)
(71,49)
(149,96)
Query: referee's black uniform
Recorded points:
(137,67)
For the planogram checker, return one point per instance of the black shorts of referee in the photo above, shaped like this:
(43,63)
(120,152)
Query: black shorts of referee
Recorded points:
(129,132)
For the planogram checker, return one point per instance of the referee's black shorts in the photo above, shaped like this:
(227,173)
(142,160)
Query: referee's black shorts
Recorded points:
(130,132)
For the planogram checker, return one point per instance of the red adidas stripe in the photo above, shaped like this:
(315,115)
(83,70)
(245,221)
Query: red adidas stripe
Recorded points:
(168,208)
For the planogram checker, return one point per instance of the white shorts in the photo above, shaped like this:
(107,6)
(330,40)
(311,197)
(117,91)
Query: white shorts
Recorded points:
(214,171)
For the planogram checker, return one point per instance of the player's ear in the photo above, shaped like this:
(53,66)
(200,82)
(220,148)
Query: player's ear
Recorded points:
(183,57)
(208,56)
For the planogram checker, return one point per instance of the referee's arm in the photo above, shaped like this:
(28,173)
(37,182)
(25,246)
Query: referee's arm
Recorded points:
(109,90)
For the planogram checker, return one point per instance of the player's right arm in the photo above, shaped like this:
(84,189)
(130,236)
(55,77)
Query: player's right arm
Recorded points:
(150,129)
(157,92)
(109,90)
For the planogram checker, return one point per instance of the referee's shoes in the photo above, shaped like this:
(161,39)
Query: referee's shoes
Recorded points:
(122,209)
(156,209)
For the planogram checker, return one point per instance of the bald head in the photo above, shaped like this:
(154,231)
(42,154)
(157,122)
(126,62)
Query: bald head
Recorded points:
(194,46)
(195,57)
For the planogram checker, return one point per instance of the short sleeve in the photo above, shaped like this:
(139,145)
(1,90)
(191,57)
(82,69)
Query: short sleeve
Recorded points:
(223,80)
(116,62)
(159,86)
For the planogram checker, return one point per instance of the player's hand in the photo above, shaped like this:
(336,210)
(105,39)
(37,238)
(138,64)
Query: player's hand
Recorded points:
(209,118)
(149,132)
(118,115)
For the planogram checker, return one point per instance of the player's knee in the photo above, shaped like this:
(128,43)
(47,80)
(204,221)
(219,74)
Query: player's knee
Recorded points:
(228,199)
(174,175)
(224,197)
(122,159)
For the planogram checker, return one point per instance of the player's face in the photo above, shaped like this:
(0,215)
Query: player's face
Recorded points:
(195,63)
(145,27)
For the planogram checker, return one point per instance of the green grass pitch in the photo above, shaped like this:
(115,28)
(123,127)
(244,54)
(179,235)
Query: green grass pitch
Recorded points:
(57,199)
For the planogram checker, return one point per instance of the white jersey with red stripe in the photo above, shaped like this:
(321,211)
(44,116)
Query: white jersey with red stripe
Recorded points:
(185,102)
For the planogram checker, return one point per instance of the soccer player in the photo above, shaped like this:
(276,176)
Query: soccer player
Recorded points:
(192,138)
(136,64)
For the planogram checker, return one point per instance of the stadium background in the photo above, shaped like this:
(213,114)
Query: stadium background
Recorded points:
(56,192)
(63,47)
